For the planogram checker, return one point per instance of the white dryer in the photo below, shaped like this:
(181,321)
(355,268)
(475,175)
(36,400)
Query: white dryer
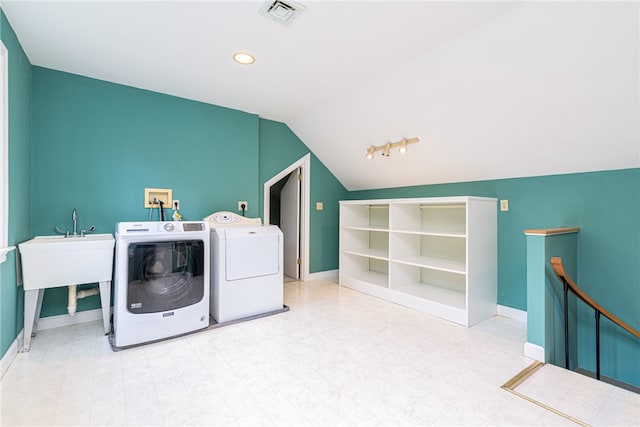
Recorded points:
(246,267)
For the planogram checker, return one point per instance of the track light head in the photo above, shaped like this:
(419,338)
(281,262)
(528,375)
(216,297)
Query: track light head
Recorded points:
(370,152)
(403,146)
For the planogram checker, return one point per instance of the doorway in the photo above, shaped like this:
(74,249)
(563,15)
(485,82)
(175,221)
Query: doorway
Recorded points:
(286,204)
(285,213)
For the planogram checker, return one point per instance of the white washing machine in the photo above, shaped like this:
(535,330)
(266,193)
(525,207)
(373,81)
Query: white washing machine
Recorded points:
(161,280)
(246,267)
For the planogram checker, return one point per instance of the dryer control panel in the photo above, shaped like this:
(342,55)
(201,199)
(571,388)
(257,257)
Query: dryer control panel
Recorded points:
(224,218)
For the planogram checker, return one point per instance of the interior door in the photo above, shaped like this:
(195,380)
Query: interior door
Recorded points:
(290,224)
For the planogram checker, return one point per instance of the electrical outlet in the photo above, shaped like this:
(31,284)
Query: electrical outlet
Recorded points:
(176,205)
(243,202)
(504,205)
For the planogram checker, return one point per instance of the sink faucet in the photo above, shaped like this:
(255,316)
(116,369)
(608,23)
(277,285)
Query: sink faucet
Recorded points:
(74,217)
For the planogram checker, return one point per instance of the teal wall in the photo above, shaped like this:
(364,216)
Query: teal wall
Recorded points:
(324,232)
(606,207)
(11,296)
(279,148)
(97,145)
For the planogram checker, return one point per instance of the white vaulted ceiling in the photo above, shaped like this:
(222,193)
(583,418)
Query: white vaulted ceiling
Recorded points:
(492,89)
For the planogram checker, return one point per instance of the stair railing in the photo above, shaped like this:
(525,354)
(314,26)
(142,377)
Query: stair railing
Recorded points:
(568,284)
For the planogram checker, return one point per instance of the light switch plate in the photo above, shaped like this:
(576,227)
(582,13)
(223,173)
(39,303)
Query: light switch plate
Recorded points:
(319,206)
(504,205)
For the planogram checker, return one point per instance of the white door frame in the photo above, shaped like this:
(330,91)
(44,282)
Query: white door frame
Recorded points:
(305,164)
(290,206)
(4,154)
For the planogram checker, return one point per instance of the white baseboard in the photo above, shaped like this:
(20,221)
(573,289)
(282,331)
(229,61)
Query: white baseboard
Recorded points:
(534,351)
(66,320)
(327,274)
(512,313)
(11,353)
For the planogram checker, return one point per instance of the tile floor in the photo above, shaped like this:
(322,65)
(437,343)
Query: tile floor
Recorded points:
(338,357)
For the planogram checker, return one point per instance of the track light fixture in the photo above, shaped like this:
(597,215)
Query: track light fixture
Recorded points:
(386,148)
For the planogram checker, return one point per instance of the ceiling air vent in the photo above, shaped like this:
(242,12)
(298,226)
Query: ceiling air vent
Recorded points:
(282,11)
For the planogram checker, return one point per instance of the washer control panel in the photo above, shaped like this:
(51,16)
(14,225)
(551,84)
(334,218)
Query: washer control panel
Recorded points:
(160,227)
(193,226)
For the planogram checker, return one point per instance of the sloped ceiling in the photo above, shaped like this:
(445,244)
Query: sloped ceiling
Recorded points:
(492,89)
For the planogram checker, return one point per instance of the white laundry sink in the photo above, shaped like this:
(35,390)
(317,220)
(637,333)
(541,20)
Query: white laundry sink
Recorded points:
(53,261)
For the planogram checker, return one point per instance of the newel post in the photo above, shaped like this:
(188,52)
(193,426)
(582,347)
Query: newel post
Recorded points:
(545,317)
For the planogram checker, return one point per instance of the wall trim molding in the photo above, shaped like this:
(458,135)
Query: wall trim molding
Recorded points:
(4,153)
(512,313)
(11,353)
(66,320)
(327,274)
(534,351)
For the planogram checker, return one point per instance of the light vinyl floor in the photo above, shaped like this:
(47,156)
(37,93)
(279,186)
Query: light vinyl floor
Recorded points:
(337,357)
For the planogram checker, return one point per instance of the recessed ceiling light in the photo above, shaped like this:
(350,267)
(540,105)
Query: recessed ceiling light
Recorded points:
(244,58)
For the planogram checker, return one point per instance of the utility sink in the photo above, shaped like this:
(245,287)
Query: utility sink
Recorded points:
(53,261)
(56,261)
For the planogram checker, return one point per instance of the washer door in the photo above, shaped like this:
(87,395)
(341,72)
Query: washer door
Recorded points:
(164,276)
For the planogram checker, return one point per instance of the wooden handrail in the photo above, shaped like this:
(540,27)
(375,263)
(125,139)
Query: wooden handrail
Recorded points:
(558,269)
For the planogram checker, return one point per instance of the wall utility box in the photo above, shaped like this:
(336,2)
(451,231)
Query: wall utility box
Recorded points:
(159,194)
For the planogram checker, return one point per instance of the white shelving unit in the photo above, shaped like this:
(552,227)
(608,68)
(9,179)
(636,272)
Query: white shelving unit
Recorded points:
(437,255)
